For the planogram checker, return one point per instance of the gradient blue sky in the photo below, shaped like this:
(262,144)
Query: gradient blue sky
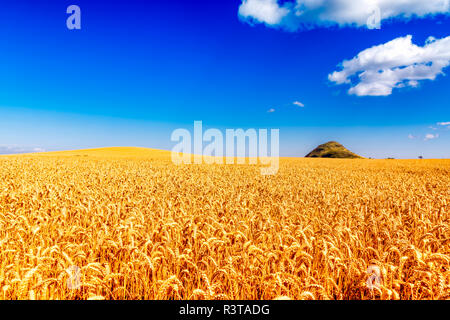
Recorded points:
(139,69)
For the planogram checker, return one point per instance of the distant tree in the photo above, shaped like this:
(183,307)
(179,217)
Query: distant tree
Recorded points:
(420,157)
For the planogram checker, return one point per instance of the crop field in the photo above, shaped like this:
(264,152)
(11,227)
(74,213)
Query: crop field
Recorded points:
(126,223)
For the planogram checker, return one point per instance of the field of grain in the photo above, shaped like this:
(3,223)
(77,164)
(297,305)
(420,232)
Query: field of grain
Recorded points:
(128,224)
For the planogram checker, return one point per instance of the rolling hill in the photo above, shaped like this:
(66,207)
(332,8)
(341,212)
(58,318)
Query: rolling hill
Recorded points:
(332,149)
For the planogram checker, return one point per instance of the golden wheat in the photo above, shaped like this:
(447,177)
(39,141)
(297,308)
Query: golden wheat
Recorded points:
(129,224)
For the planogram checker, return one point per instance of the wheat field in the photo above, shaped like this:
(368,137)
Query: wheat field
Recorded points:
(126,223)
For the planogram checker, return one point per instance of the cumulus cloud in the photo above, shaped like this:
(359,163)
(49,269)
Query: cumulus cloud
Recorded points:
(13,149)
(263,11)
(299,104)
(396,64)
(443,123)
(306,14)
(410,136)
(271,110)
(431,136)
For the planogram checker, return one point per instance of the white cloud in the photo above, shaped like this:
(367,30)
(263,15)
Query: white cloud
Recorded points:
(271,110)
(263,11)
(430,136)
(410,136)
(443,123)
(303,14)
(395,64)
(13,149)
(299,104)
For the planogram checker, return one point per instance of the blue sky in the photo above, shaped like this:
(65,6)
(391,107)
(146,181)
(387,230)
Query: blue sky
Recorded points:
(137,70)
